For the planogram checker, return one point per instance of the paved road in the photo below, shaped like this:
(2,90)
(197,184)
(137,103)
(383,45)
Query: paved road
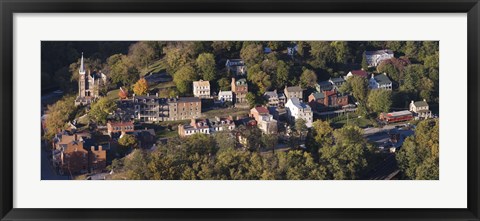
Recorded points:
(385,170)
(47,171)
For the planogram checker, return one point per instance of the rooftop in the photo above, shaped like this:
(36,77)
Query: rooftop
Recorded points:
(360,73)
(421,104)
(318,95)
(201,83)
(294,89)
(386,51)
(382,79)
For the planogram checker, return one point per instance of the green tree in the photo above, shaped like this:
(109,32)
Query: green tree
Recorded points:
(419,157)
(252,54)
(348,157)
(206,65)
(121,70)
(58,115)
(184,78)
(128,141)
(341,51)
(364,61)
(359,88)
(101,109)
(282,74)
(308,79)
(322,133)
(379,100)
(322,53)
(224,84)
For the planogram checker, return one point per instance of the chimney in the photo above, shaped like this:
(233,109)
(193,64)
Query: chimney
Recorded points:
(362,69)
(76,137)
(133,95)
(385,73)
(425,100)
(373,75)
(100,148)
(412,102)
(92,148)
(156,94)
(148,94)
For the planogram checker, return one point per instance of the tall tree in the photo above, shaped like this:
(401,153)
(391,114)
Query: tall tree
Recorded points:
(141,87)
(206,65)
(252,54)
(419,157)
(308,79)
(347,158)
(379,100)
(184,78)
(101,109)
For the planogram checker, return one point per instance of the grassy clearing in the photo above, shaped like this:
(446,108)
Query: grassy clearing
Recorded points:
(155,67)
(226,112)
(352,119)
(113,94)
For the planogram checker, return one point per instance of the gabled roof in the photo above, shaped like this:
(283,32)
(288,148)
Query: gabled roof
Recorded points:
(325,85)
(225,93)
(382,79)
(296,102)
(337,80)
(188,99)
(360,73)
(294,89)
(202,83)
(261,110)
(271,94)
(421,104)
(318,95)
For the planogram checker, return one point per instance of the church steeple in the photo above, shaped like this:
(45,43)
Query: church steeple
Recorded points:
(82,68)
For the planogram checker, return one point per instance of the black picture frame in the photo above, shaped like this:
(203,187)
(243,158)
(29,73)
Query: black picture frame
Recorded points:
(9,7)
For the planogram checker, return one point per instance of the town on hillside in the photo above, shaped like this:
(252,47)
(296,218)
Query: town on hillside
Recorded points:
(240,110)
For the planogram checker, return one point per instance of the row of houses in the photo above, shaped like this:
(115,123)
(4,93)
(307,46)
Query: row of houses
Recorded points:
(152,108)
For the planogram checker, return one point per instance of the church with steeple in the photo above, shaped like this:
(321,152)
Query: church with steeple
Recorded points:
(89,85)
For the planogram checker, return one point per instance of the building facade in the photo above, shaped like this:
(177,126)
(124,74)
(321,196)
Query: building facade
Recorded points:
(374,58)
(89,85)
(299,110)
(201,89)
(421,109)
(294,92)
(265,121)
(240,90)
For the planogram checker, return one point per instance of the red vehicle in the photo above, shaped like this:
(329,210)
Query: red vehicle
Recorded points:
(397,116)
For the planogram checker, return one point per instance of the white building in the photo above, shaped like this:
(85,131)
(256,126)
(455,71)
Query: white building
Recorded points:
(201,89)
(375,57)
(380,81)
(225,96)
(421,109)
(299,110)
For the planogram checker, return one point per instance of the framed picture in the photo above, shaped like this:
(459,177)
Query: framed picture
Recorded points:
(199,110)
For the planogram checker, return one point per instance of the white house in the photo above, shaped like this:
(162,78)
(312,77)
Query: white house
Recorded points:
(299,110)
(225,96)
(201,89)
(380,81)
(421,109)
(375,57)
